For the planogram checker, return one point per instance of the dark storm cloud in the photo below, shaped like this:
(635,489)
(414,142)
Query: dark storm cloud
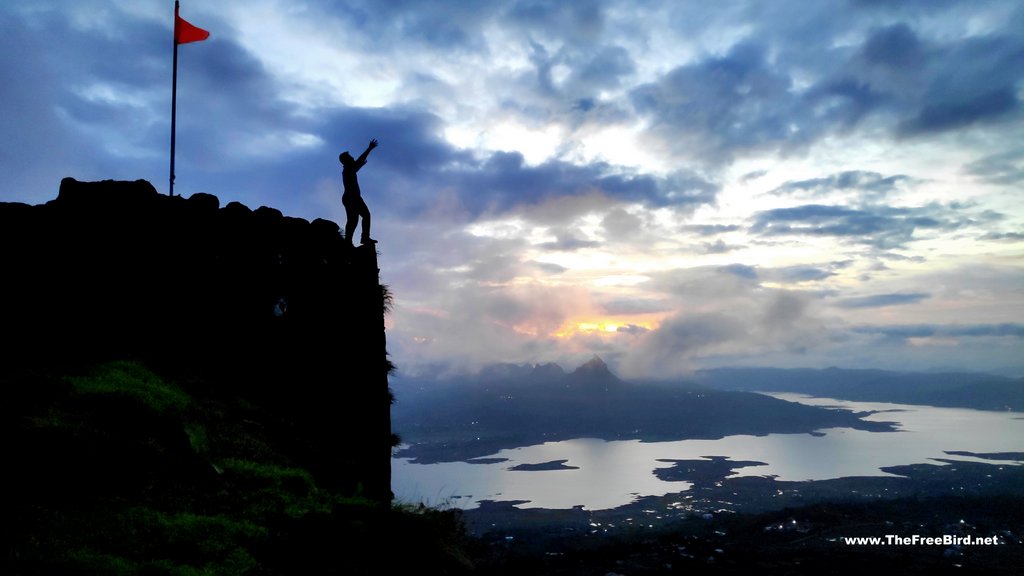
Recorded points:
(605,69)
(952,108)
(841,102)
(504,181)
(588,70)
(415,146)
(957,82)
(934,85)
(721,104)
(883,300)
(879,226)
(872,184)
(578,22)
(894,46)
(574,59)
(976,83)
(793,81)
(443,25)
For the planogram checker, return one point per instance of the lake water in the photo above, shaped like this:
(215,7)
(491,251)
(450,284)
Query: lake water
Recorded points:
(613,473)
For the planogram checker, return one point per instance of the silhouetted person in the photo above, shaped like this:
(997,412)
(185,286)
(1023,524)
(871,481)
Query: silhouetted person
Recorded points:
(352,199)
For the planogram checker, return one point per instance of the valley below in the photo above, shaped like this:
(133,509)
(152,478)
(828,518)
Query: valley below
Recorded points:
(748,480)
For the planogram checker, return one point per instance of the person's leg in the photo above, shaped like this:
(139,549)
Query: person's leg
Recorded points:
(350,229)
(352,215)
(364,211)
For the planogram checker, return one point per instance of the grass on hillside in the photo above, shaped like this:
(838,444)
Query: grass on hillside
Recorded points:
(226,502)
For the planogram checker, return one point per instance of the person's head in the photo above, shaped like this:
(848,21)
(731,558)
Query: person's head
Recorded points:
(345,158)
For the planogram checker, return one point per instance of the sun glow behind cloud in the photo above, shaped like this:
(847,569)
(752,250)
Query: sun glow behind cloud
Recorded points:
(606,329)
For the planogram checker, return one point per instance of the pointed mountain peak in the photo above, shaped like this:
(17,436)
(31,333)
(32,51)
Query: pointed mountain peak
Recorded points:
(593,374)
(594,366)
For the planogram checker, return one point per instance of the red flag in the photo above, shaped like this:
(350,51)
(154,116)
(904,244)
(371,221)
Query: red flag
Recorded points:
(185,32)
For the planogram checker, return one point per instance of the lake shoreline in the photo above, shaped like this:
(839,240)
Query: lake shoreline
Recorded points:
(479,448)
(729,495)
(612,474)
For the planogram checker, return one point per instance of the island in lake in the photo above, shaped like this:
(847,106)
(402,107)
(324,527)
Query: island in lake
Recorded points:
(552,465)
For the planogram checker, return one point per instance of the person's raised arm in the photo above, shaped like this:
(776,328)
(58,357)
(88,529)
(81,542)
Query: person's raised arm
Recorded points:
(362,157)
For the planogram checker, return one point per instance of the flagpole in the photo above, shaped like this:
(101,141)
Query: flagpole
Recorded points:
(174,93)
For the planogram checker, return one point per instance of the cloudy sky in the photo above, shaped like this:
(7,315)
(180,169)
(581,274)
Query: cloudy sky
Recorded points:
(669,184)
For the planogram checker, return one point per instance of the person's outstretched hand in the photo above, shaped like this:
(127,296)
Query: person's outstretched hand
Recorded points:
(373,144)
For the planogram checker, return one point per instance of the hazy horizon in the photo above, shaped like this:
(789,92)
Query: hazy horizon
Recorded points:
(444,372)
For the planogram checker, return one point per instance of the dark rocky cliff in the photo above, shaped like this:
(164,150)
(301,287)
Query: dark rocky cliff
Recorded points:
(276,310)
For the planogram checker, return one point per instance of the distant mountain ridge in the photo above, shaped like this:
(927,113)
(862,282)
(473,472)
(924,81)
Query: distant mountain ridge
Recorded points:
(509,405)
(532,372)
(944,389)
(592,372)
(977,390)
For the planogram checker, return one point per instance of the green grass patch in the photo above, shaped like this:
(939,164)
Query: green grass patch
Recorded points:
(134,380)
(268,489)
(145,540)
(197,437)
(201,544)
(88,560)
